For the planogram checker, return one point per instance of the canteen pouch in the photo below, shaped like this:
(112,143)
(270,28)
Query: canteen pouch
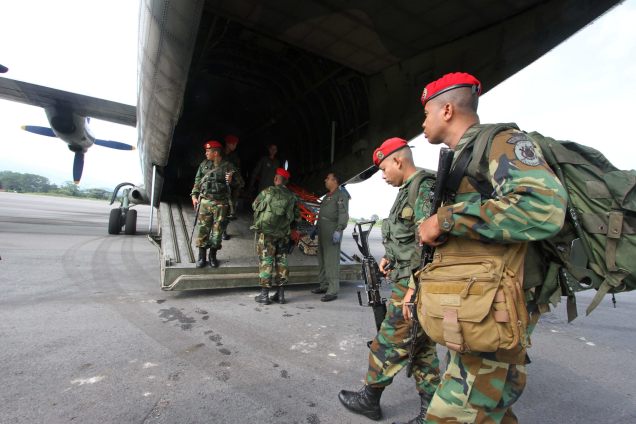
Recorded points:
(472,303)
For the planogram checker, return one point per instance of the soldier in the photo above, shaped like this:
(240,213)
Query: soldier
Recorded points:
(211,189)
(474,312)
(230,155)
(332,220)
(390,347)
(275,213)
(265,168)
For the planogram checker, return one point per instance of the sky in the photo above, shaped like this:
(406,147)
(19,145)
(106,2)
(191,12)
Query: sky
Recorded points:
(579,91)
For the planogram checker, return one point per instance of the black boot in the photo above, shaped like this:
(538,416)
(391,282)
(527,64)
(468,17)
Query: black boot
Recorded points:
(425,400)
(365,402)
(201,261)
(263,297)
(279,296)
(213,261)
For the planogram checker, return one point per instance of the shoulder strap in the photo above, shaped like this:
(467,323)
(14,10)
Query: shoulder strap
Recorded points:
(414,188)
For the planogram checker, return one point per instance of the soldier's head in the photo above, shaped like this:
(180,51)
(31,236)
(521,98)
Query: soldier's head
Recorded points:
(395,160)
(450,107)
(332,181)
(212,149)
(272,149)
(281,177)
(231,142)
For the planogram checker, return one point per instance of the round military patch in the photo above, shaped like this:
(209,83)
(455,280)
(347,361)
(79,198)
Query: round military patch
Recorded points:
(380,155)
(524,150)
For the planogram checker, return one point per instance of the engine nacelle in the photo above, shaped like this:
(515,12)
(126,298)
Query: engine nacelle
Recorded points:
(138,196)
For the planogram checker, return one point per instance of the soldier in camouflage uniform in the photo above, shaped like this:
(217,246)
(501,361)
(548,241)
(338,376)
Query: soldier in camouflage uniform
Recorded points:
(275,213)
(332,220)
(528,203)
(390,347)
(210,189)
(231,155)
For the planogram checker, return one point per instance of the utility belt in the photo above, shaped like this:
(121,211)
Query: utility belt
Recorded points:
(216,196)
(470,298)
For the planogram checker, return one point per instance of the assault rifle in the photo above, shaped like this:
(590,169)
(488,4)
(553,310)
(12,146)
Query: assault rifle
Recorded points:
(229,194)
(370,273)
(196,217)
(436,198)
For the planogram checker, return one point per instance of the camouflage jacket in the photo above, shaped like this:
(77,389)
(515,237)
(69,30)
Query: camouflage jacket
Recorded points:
(210,180)
(399,229)
(528,201)
(275,211)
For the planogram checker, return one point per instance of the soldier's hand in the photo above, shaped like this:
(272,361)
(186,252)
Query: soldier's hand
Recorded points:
(408,304)
(429,231)
(195,201)
(383,262)
(336,237)
(228,177)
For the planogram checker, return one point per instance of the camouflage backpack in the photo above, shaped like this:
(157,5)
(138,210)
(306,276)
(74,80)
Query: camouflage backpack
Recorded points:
(596,247)
(274,211)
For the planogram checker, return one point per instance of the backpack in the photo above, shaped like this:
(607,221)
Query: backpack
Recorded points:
(596,247)
(274,213)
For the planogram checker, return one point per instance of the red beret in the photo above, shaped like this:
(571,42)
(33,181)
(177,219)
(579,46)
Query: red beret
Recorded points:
(283,173)
(231,139)
(449,82)
(212,144)
(387,148)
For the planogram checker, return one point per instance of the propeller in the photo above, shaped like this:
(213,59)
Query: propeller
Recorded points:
(114,144)
(39,130)
(78,166)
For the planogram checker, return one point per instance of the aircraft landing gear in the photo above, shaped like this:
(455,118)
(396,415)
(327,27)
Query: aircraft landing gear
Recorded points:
(123,216)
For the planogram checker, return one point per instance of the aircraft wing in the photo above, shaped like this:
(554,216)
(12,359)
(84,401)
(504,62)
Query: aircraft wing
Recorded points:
(38,95)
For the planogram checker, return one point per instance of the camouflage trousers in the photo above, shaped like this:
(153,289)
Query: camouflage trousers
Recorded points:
(211,215)
(476,390)
(390,349)
(272,254)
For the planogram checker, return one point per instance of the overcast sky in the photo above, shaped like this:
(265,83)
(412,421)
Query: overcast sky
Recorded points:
(579,91)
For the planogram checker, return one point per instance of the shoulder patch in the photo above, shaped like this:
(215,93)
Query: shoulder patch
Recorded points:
(524,149)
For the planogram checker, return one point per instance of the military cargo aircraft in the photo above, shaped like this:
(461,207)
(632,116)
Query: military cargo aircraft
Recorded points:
(69,117)
(326,80)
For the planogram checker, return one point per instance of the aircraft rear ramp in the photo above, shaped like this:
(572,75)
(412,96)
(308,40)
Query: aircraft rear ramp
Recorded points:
(238,259)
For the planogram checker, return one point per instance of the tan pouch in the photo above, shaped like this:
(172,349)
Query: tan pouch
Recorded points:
(469,303)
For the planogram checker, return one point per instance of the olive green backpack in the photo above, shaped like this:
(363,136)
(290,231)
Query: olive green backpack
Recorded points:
(596,248)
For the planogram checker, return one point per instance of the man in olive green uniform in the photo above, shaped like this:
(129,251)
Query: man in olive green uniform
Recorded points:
(390,348)
(275,213)
(211,193)
(478,263)
(332,220)
(231,155)
(264,171)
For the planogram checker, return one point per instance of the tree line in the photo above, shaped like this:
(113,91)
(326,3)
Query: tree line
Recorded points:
(32,183)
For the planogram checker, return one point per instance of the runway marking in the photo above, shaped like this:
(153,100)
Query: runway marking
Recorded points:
(92,380)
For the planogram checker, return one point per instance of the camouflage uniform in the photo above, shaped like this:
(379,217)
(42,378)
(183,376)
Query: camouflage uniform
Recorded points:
(390,348)
(528,204)
(237,185)
(275,212)
(333,216)
(210,183)
(264,172)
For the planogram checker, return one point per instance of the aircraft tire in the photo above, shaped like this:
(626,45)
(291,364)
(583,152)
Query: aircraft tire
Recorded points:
(114,221)
(131,222)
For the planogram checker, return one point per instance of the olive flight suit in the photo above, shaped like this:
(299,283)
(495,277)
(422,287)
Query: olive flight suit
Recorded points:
(333,216)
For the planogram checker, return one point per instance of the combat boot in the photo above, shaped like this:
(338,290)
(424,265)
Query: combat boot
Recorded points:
(365,402)
(279,296)
(214,262)
(425,400)
(263,297)
(201,261)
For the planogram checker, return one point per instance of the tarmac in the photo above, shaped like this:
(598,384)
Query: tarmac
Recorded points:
(88,336)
